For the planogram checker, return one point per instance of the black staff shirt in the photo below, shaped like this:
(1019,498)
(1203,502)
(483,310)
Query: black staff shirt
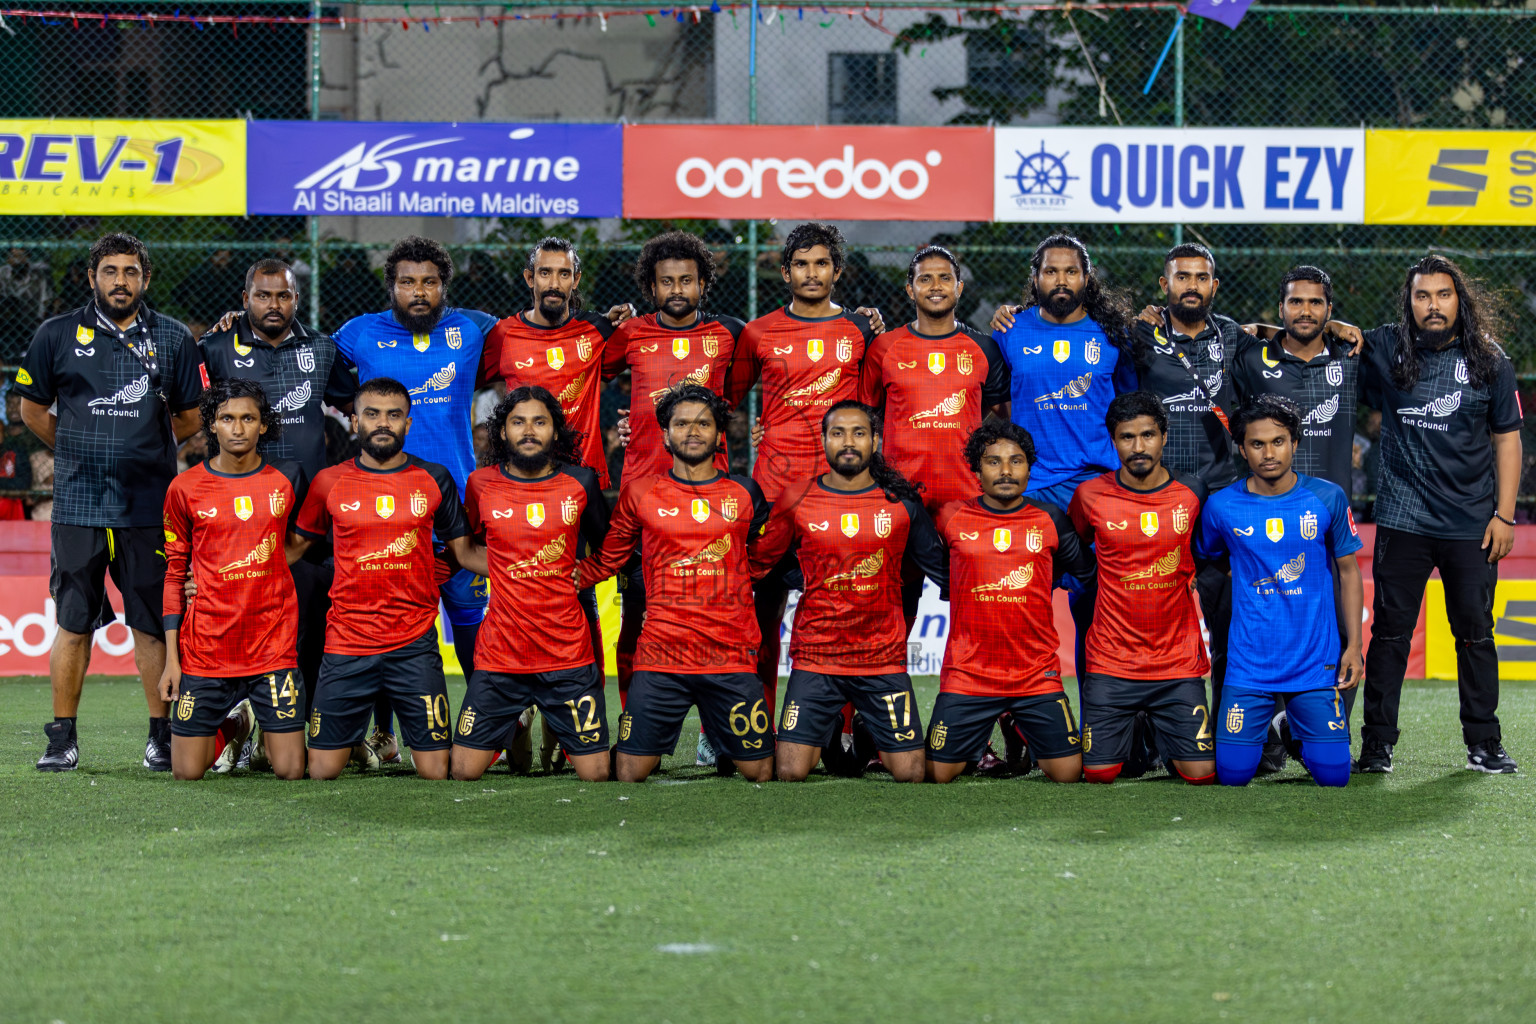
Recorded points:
(1323,389)
(1198,442)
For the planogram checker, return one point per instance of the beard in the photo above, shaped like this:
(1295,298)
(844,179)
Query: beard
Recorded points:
(693,458)
(273,332)
(1192,314)
(531,463)
(848,470)
(382,450)
(418,323)
(678,307)
(1062,302)
(106,304)
(554,304)
(1306,333)
(1436,337)
(1141,469)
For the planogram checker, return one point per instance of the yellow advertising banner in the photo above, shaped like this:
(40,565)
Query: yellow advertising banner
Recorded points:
(1450,177)
(1514,631)
(122,167)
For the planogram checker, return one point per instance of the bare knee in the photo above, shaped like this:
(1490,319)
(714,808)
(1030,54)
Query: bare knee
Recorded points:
(1062,769)
(591,769)
(792,773)
(942,772)
(756,771)
(906,766)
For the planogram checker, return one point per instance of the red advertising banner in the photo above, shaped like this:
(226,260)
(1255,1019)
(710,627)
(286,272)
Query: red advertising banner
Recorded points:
(846,172)
(29,622)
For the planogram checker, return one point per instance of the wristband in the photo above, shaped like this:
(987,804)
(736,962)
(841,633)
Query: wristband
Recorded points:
(1507,522)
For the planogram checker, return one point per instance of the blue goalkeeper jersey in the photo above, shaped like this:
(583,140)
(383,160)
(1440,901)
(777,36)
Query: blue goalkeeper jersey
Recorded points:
(1285,629)
(438,369)
(1064,376)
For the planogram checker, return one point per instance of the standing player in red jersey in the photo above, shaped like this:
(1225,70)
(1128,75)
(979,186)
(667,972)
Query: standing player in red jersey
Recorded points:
(677,343)
(380,510)
(694,527)
(1144,652)
(851,530)
(535,505)
(807,355)
(225,523)
(1006,553)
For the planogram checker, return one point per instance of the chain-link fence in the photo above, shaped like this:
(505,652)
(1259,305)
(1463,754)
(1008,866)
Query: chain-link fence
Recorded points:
(1464,65)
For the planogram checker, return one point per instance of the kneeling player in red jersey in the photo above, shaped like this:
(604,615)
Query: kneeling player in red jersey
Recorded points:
(1006,552)
(225,521)
(534,504)
(381,510)
(1144,651)
(852,529)
(694,527)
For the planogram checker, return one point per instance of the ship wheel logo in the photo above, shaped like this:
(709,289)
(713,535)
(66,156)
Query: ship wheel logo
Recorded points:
(1041,178)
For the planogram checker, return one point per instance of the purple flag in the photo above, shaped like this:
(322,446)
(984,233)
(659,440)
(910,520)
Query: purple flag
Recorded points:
(1228,12)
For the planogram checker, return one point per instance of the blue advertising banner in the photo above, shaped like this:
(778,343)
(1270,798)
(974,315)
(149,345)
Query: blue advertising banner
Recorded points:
(393,169)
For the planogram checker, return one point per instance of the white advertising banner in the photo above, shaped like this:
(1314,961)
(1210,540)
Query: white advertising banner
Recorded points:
(1172,175)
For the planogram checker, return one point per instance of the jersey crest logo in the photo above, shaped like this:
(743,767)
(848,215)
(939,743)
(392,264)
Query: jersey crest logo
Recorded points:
(625,725)
(964,363)
(1061,349)
(1335,373)
(535,513)
(1235,719)
(1461,371)
(680,348)
(849,524)
(244,507)
(937,735)
(584,348)
(882,523)
(306,357)
(555,357)
(85,335)
(1034,539)
(421,342)
(648,351)
(1149,524)
(699,509)
(387,344)
(664,512)
(815,348)
(1091,351)
(711,346)
(906,366)
(1121,525)
(969,536)
(466,721)
(1002,538)
(791,715)
(1308,526)
(569,508)
(1274,529)
(1215,351)
(384,505)
(455,337)
(418,503)
(1246,531)
(1018,579)
(1180,519)
(185,704)
(728,509)
(844,350)
(1264,356)
(936,362)
(244,350)
(818,527)
(786,350)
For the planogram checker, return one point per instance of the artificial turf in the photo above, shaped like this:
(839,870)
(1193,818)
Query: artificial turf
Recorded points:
(129,897)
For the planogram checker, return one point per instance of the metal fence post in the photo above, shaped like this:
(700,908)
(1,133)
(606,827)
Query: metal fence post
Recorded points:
(1178,105)
(752,222)
(314,115)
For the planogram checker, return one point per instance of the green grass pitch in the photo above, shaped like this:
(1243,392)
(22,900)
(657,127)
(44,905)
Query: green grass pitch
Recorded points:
(128,897)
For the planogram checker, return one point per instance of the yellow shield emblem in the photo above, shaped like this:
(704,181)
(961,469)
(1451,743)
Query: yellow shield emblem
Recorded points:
(535,513)
(384,505)
(86,335)
(699,508)
(1149,524)
(1061,349)
(569,508)
(935,362)
(555,357)
(1034,539)
(850,524)
(1274,529)
(680,348)
(1002,538)
(243,350)
(420,342)
(711,346)
(418,503)
(964,363)
(815,348)
(844,350)
(245,507)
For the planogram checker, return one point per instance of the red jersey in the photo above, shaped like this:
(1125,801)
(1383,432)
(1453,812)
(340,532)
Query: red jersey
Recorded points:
(660,357)
(228,532)
(694,539)
(1002,633)
(1144,624)
(567,360)
(533,531)
(806,367)
(935,390)
(381,523)
(851,545)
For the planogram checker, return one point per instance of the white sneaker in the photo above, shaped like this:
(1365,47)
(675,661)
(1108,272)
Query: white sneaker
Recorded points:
(242,720)
(704,756)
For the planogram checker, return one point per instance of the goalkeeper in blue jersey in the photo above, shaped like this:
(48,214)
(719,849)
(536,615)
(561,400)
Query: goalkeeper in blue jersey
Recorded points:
(1286,536)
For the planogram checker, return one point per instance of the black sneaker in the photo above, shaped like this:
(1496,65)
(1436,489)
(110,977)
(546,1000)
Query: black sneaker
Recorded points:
(157,749)
(1275,753)
(63,753)
(1375,758)
(1488,757)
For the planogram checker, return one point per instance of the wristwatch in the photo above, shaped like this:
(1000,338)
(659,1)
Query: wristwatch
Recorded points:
(1508,522)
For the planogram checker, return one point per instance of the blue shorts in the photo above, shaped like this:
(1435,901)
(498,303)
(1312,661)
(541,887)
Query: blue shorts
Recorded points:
(464,598)
(1315,716)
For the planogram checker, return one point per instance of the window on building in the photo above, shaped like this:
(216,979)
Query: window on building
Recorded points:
(861,88)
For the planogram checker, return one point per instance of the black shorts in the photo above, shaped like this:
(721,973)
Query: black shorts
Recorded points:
(962,723)
(77,577)
(276,697)
(731,706)
(813,702)
(571,702)
(412,678)
(1175,708)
